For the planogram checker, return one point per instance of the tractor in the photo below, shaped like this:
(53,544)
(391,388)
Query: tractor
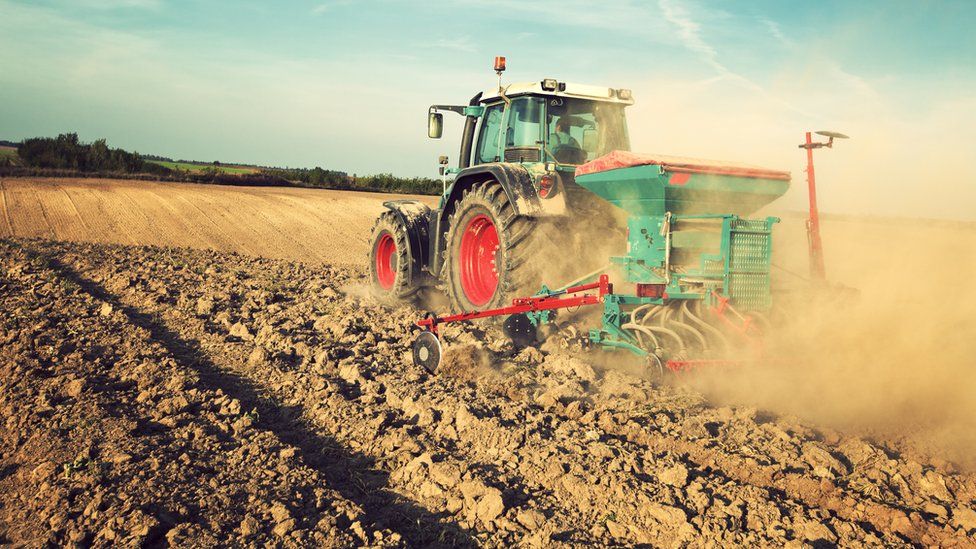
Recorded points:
(510,200)
(539,164)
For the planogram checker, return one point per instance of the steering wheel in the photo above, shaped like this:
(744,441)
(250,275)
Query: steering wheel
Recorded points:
(568,154)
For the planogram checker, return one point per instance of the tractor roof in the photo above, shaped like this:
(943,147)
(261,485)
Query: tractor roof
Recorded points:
(561,89)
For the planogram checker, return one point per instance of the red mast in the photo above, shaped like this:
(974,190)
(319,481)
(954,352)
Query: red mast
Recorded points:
(817,270)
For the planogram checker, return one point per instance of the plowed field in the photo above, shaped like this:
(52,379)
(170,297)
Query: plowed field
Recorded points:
(189,397)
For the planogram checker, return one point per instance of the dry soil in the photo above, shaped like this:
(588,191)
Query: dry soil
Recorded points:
(169,396)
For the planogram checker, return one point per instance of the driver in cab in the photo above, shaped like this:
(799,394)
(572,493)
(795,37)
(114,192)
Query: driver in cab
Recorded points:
(560,137)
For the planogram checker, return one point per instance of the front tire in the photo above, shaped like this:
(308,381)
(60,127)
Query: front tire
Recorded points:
(389,260)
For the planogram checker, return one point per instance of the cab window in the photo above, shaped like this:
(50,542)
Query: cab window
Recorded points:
(580,130)
(489,142)
(525,122)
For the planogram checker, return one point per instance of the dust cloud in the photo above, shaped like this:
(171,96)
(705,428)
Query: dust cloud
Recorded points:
(883,349)
(893,358)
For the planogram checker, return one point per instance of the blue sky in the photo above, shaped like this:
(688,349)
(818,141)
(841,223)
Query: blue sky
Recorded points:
(345,84)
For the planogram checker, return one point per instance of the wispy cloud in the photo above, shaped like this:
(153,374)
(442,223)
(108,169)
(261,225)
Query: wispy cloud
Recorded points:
(689,31)
(462,43)
(831,68)
(619,17)
(324,7)
(690,35)
(776,32)
(118,4)
(857,84)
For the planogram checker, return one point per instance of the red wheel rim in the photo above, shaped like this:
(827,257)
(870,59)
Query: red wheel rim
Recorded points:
(478,260)
(385,258)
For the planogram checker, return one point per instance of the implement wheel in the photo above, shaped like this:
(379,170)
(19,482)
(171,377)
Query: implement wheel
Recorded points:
(489,257)
(389,262)
(427,351)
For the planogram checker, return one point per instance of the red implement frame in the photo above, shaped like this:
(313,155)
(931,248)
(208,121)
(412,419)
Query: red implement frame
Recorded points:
(521,305)
(720,308)
(556,300)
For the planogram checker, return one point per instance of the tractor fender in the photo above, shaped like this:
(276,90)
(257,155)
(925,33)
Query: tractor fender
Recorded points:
(519,185)
(415,217)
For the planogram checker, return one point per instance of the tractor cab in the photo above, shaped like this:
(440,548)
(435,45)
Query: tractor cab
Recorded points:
(551,121)
(540,122)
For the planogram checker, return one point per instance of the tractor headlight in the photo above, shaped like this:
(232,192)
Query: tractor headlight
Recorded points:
(549,84)
(625,94)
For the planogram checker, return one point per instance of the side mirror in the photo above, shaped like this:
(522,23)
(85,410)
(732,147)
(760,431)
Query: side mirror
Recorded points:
(435,125)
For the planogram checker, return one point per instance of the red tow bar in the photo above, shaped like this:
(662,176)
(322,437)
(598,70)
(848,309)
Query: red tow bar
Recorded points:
(521,305)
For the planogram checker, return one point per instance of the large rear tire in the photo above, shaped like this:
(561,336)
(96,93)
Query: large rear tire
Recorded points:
(492,254)
(389,260)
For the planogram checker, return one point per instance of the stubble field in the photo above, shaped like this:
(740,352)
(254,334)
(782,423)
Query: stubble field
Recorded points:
(282,223)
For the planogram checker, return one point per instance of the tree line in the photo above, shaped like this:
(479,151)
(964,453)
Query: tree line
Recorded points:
(332,179)
(66,154)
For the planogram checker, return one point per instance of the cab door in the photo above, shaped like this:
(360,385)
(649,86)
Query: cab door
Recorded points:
(524,132)
(490,139)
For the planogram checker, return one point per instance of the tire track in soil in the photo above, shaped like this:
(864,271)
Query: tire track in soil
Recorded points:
(188,228)
(232,220)
(266,242)
(232,211)
(43,210)
(74,207)
(6,212)
(225,238)
(152,228)
(116,232)
(355,476)
(60,211)
(285,235)
(339,218)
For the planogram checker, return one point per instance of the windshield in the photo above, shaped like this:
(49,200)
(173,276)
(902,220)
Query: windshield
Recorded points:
(580,130)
